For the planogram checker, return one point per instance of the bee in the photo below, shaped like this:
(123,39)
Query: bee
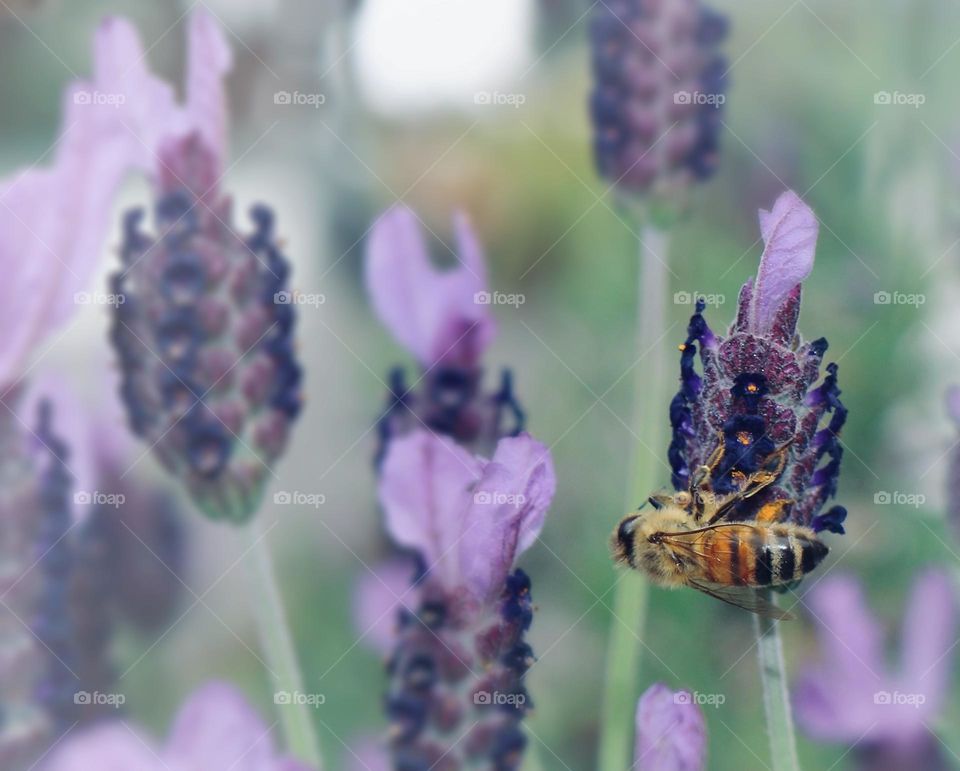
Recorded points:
(694,539)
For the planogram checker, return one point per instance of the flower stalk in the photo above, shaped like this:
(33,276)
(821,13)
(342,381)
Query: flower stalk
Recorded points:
(650,434)
(298,729)
(776,697)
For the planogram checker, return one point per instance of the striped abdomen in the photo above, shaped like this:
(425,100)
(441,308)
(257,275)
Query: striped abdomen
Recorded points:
(758,555)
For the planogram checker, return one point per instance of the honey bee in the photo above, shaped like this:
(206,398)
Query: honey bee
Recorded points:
(694,539)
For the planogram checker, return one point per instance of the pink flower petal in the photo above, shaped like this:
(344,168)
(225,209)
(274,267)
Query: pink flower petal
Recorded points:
(217,729)
(509,504)
(434,314)
(953,403)
(424,490)
(379,597)
(209,60)
(110,747)
(789,232)
(928,639)
(671,732)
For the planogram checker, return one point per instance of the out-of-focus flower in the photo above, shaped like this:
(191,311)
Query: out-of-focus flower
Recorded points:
(460,658)
(671,732)
(215,730)
(953,467)
(443,317)
(205,330)
(757,391)
(851,696)
(379,596)
(658,94)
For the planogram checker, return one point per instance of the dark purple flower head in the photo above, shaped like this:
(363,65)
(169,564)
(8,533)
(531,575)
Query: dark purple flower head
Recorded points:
(658,93)
(443,318)
(757,391)
(203,325)
(671,732)
(851,695)
(457,695)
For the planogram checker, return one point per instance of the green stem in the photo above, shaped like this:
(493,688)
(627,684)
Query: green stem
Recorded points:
(281,656)
(650,425)
(776,698)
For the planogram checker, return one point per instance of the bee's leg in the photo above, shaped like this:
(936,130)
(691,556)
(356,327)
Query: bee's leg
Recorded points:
(775,511)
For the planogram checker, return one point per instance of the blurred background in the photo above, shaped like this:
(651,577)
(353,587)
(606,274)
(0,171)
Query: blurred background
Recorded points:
(482,106)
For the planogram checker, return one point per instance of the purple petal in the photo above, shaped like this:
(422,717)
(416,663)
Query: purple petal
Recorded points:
(432,313)
(109,747)
(379,597)
(218,729)
(209,60)
(928,639)
(508,508)
(671,732)
(368,755)
(953,403)
(424,489)
(789,232)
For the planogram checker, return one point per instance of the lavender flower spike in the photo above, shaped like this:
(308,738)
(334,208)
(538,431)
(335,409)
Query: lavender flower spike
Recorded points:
(215,730)
(204,331)
(671,732)
(443,318)
(849,695)
(757,391)
(457,693)
(658,93)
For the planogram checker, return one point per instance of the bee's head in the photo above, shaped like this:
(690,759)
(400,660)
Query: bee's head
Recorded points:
(622,540)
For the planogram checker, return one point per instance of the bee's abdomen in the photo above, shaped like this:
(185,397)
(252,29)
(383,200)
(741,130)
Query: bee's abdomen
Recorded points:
(760,556)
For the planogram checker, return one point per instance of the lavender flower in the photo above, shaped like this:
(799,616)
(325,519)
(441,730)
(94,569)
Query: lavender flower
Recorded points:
(671,732)
(459,660)
(953,464)
(205,335)
(757,390)
(850,695)
(443,318)
(215,730)
(658,93)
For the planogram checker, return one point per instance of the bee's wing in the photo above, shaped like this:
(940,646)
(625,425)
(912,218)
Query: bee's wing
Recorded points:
(742,597)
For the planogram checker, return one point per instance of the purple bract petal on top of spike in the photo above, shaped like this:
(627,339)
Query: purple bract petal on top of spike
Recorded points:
(671,732)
